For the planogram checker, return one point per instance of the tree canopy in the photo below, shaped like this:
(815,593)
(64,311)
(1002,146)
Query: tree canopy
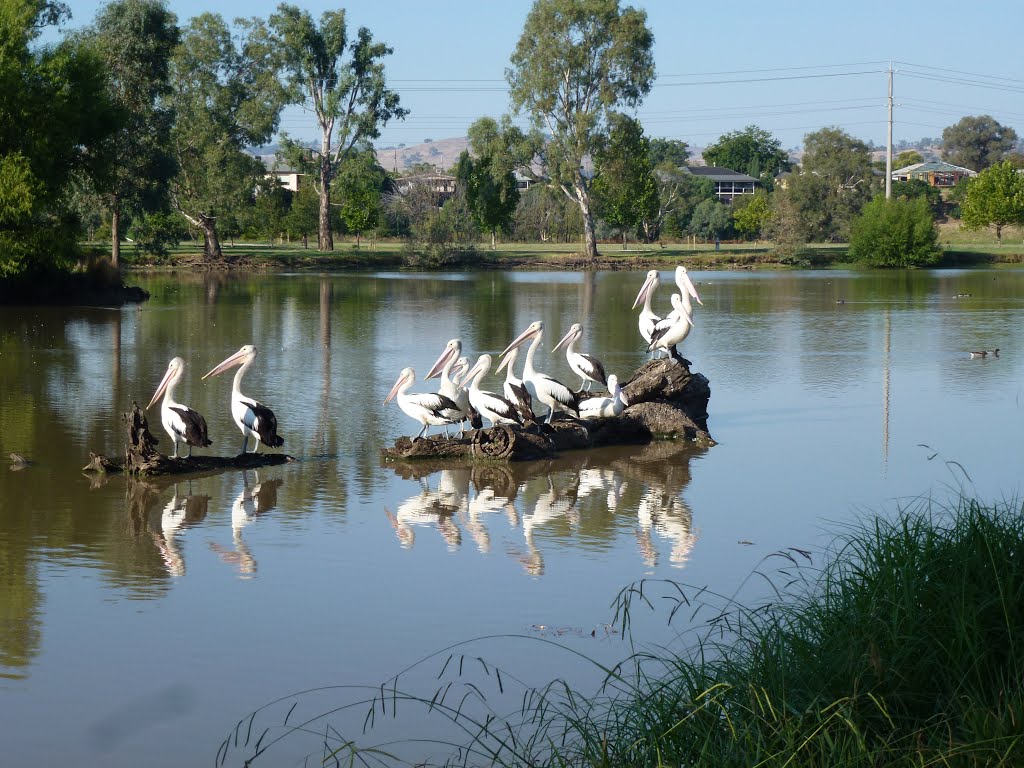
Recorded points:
(55,109)
(576,62)
(995,197)
(624,184)
(487,172)
(132,167)
(836,156)
(895,233)
(672,151)
(976,142)
(226,98)
(753,151)
(344,81)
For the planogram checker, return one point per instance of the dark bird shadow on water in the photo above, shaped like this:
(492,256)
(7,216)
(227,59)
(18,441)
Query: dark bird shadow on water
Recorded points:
(134,717)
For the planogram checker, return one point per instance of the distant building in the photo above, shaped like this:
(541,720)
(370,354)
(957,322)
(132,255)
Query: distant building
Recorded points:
(729,184)
(935,173)
(523,182)
(288,177)
(442,185)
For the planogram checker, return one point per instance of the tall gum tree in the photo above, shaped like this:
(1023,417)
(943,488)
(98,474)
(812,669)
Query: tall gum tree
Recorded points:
(133,167)
(226,97)
(576,62)
(343,81)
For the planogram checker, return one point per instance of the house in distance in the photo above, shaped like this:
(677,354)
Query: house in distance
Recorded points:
(729,184)
(935,173)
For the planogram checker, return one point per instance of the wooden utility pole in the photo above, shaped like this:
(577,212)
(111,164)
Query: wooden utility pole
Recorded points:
(888,151)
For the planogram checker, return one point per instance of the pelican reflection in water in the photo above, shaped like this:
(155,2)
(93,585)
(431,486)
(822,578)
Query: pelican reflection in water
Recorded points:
(253,501)
(528,510)
(180,512)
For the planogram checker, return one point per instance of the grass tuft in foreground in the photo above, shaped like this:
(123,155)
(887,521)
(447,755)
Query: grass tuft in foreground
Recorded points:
(906,649)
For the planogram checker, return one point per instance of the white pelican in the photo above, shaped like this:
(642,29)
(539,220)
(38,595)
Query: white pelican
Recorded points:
(587,367)
(686,290)
(647,317)
(443,367)
(554,394)
(183,424)
(491,406)
(598,407)
(515,391)
(672,330)
(431,409)
(252,417)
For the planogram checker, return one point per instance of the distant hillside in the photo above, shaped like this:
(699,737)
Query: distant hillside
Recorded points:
(442,153)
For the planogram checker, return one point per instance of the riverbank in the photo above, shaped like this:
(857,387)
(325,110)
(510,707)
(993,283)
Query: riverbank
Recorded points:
(97,285)
(390,255)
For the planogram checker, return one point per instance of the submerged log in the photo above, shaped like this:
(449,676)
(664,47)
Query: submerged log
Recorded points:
(666,401)
(142,458)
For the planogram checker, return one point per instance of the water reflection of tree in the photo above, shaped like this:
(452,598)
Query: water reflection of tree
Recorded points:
(586,500)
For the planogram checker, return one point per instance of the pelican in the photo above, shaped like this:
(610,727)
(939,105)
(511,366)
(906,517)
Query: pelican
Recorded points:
(515,391)
(443,367)
(587,367)
(686,289)
(672,330)
(647,317)
(431,409)
(491,406)
(252,417)
(554,394)
(598,407)
(180,422)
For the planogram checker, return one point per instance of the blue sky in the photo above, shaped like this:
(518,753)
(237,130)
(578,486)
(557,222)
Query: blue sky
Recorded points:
(805,65)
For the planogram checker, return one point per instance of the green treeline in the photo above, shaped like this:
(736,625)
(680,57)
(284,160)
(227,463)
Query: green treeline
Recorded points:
(141,126)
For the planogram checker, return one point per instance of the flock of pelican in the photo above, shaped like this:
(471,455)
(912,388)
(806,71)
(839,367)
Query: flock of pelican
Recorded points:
(460,399)
(185,425)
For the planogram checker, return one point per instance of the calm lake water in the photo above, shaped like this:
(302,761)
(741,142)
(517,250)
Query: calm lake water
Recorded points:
(140,621)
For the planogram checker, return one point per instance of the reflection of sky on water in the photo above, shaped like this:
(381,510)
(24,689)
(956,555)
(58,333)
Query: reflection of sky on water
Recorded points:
(819,409)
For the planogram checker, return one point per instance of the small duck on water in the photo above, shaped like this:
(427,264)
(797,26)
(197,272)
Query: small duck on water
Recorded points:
(985,353)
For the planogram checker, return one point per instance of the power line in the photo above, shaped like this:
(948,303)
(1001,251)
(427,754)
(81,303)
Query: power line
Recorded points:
(961,72)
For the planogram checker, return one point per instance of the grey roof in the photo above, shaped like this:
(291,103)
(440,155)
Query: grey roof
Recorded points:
(273,164)
(933,165)
(714,173)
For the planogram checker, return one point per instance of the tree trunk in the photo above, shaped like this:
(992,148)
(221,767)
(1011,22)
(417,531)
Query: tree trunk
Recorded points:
(326,237)
(357,240)
(623,239)
(115,234)
(999,234)
(494,242)
(211,243)
(589,235)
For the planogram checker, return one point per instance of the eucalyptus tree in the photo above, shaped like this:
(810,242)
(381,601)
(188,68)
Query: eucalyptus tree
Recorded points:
(226,97)
(624,184)
(487,172)
(576,62)
(133,166)
(977,142)
(344,83)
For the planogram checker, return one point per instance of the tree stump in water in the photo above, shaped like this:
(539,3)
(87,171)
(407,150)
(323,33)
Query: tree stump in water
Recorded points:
(665,401)
(142,458)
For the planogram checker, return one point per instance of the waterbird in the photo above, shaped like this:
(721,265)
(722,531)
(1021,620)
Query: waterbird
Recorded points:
(181,423)
(587,367)
(514,389)
(431,409)
(985,353)
(492,406)
(252,417)
(448,361)
(553,393)
(647,319)
(672,330)
(598,407)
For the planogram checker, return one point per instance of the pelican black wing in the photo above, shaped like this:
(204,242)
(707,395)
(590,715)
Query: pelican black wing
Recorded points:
(195,426)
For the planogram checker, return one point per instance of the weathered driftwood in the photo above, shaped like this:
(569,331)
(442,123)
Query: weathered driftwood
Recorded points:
(666,401)
(142,458)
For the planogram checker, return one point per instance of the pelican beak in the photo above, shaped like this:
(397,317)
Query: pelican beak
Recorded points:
(685,283)
(447,355)
(529,333)
(565,340)
(161,389)
(644,290)
(236,359)
(477,368)
(394,389)
(504,361)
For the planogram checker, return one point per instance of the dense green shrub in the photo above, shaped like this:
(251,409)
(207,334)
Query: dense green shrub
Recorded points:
(895,233)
